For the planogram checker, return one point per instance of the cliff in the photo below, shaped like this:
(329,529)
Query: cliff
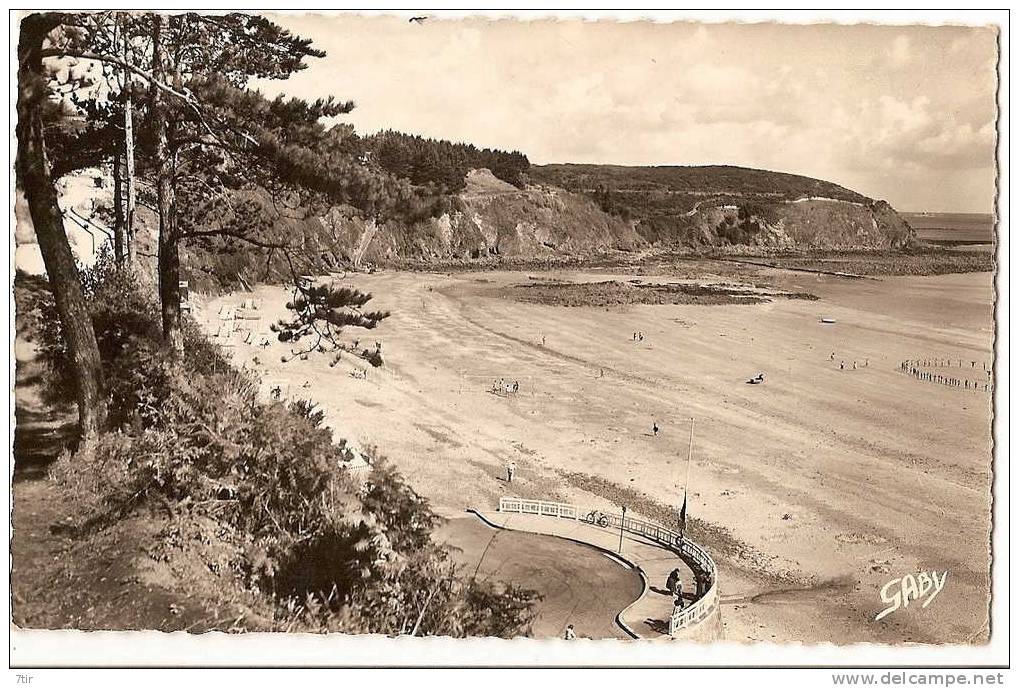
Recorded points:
(564,211)
(717,206)
(488,219)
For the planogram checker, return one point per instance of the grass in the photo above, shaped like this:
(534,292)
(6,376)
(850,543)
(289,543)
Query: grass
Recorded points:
(718,180)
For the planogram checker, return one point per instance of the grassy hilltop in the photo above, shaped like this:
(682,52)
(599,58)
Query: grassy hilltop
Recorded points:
(694,182)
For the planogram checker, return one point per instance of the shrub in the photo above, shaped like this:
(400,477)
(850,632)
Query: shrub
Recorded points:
(305,408)
(324,551)
(337,555)
(34,305)
(126,320)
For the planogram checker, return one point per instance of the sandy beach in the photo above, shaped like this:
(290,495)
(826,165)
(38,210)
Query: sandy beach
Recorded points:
(832,480)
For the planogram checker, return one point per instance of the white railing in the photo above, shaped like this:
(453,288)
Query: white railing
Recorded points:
(698,559)
(538,507)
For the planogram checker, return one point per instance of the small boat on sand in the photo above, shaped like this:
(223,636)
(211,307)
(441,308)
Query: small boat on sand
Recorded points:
(828,321)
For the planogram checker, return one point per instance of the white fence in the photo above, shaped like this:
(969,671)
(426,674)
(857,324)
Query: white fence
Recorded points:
(698,559)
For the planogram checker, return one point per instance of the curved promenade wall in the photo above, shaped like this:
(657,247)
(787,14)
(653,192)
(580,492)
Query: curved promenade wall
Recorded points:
(701,620)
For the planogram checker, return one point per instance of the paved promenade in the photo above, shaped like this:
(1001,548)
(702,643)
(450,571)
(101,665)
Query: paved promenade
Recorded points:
(648,616)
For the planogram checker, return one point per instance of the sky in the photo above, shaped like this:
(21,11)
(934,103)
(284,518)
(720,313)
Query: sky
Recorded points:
(901,113)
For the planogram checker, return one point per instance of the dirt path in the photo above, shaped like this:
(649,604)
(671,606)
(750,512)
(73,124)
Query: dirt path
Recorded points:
(831,474)
(63,580)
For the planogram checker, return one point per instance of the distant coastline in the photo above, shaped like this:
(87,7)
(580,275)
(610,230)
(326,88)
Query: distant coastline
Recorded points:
(952,229)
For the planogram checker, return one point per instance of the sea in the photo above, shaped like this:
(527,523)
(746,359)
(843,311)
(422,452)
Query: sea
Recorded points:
(953,229)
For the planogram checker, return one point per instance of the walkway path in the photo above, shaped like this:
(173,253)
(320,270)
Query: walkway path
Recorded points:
(648,616)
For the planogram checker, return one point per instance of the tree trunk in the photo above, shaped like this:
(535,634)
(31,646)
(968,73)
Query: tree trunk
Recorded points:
(129,202)
(119,225)
(33,174)
(169,261)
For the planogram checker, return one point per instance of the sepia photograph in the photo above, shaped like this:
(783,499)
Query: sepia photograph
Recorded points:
(598,335)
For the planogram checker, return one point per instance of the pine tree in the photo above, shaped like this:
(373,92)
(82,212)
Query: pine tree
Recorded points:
(35,177)
(321,312)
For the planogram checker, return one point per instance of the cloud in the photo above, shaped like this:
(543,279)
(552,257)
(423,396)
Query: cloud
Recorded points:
(958,147)
(857,105)
(900,53)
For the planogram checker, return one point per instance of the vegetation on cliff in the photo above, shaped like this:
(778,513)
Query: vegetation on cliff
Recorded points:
(733,206)
(441,164)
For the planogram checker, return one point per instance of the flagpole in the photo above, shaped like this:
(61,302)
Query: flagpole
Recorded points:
(686,484)
(689,455)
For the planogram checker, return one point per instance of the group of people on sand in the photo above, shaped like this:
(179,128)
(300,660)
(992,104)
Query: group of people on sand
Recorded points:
(638,336)
(357,345)
(943,363)
(915,367)
(504,386)
(856,365)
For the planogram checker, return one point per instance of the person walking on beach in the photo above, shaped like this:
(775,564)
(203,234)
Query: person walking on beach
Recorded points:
(511,468)
(570,633)
(654,427)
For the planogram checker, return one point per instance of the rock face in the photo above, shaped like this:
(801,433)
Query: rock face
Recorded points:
(577,215)
(720,206)
(491,218)
(806,224)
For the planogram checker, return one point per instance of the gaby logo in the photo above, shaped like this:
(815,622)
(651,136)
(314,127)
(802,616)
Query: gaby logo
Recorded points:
(899,592)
